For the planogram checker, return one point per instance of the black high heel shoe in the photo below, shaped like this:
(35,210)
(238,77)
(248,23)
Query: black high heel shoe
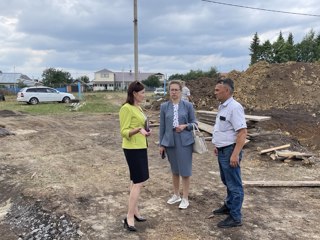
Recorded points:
(139,219)
(128,227)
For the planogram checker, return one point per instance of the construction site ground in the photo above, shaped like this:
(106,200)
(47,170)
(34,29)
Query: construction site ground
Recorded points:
(65,177)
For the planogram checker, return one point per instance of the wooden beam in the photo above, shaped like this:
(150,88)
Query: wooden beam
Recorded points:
(248,117)
(205,127)
(281,183)
(291,154)
(208,128)
(274,148)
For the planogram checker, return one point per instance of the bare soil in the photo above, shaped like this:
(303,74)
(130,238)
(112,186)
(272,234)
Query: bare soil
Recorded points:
(65,177)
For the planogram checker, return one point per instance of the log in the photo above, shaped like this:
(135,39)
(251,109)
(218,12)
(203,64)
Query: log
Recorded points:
(281,183)
(274,148)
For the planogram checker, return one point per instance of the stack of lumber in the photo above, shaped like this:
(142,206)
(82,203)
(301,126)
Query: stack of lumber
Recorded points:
(209,117)
(206,121)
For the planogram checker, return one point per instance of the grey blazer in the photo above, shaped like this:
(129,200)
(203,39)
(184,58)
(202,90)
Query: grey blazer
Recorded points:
(186,116)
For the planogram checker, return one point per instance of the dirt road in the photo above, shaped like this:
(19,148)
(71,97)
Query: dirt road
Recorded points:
(65,177)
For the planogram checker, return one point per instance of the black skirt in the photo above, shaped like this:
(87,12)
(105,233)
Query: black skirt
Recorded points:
(137,160)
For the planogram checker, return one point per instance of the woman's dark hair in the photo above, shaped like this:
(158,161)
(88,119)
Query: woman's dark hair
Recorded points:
(135,86)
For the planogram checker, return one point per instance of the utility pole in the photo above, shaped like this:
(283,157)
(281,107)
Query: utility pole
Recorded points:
(135,22)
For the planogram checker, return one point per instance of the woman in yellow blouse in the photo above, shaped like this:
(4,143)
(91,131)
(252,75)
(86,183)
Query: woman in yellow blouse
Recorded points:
(134,144)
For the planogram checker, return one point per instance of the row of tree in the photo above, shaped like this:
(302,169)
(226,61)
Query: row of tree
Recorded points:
(195,74)
(153,81)
(284,50)
(57,78)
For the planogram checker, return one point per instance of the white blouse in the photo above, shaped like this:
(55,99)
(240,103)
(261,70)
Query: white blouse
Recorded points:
(175,115)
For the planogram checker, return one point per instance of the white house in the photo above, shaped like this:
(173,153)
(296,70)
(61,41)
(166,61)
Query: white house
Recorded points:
(108,80)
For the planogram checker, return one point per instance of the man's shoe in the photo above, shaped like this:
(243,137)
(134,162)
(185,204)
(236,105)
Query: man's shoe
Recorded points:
(184,203)
(174,199)
(229,222)
(221,211)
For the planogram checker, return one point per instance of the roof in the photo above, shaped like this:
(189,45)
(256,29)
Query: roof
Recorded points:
(127,76)
(14,78)
(104,70)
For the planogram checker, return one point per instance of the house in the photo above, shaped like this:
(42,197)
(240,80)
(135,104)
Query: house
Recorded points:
(108,80)
(11,81)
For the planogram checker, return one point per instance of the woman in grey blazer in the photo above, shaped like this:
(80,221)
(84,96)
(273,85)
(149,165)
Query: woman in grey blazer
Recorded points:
(176,119)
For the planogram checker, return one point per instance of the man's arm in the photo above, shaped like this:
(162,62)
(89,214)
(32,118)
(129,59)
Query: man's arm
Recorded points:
(240,141)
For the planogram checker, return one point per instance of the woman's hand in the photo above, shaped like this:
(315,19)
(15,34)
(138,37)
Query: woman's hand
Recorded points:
(181,127)
(161,150)
(144,132)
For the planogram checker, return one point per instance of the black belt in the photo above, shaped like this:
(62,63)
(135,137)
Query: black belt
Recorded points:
(221,148)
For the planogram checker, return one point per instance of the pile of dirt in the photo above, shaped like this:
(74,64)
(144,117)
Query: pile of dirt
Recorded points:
(265,86)
(288,92)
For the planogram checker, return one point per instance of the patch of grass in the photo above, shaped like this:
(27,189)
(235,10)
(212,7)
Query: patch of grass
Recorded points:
(96,102)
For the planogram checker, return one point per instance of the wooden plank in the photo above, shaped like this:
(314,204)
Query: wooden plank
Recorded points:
(205,127)
(274,148)
(248,117)
(281,183)
(209,128)
(291,154)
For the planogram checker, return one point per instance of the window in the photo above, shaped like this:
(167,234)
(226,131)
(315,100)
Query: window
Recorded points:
(104,75)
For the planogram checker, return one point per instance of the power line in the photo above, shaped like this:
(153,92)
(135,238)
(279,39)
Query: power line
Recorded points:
(261,9)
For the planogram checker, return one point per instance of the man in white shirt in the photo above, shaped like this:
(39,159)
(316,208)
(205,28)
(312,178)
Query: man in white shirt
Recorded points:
(229,135)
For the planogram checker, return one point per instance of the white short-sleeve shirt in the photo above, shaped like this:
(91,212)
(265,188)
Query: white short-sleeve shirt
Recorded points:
(229,120)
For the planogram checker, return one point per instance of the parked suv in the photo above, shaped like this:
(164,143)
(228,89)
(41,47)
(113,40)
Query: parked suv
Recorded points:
(34,95)
(159,91)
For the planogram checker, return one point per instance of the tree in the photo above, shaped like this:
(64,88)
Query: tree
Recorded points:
(279,50)
(194,74)
(176,76)
(255,49)
(267,52)
(306,50)
(56,78)
(152,81)
(317,48)
(84,79)
(290,48)
(212,73)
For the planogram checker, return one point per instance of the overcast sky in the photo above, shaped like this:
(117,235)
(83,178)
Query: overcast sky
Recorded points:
(175,36)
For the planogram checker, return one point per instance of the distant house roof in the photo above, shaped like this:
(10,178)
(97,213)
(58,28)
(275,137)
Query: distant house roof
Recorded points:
(104,70)
(15,78)
(127,76)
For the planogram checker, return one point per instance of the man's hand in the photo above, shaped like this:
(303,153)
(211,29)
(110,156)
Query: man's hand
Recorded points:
(234,160)
(215,151)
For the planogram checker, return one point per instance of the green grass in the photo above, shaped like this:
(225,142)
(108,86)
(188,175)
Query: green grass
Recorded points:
(96,102)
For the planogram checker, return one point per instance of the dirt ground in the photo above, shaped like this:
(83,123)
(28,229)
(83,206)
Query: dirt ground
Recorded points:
(65,177)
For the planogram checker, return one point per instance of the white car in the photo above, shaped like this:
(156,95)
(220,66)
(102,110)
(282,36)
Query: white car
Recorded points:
(159,91)
(34,95)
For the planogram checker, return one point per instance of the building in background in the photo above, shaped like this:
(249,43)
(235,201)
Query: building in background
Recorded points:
(12,81)
(108,80)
